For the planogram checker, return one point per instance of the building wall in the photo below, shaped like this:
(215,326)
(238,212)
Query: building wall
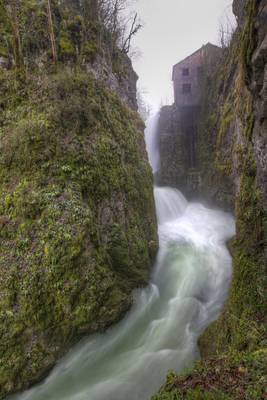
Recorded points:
(179,124)
(196,64)
(193,64)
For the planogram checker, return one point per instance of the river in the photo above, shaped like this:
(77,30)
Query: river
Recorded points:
(187,291)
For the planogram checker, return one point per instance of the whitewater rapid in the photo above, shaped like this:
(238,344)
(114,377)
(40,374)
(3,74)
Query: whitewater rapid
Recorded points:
(188,287)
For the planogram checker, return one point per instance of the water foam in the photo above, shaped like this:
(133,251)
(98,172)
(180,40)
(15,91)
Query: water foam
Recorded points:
(187,291)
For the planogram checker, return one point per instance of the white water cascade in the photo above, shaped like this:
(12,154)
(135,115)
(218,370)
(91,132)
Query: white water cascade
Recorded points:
(152,142)
(188,288)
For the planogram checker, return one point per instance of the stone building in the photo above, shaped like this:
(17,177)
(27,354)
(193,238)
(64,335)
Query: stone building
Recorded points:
(179,123)
(188,79)
(187,75)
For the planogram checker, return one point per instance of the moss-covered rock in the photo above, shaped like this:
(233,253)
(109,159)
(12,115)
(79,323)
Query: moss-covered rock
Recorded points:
(77,221)
(241,326)
(237,376)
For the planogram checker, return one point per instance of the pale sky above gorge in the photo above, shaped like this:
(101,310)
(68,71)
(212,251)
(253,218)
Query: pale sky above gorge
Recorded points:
(172,30)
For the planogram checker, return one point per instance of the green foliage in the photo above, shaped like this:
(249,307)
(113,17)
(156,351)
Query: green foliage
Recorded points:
(247,41)
(79,35)
(227,117)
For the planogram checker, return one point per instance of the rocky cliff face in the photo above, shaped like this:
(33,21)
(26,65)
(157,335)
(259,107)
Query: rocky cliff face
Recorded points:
(258,87)
(241,154)
(117,75)
(77,220)
(232,150)
(81,36)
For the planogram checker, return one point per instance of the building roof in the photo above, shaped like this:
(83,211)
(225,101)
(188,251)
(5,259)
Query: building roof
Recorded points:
(207,45)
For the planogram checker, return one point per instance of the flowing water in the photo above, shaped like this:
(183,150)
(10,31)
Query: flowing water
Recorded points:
(152,142)
(188,288)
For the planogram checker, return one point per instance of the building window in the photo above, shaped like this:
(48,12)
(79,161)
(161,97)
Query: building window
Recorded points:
(185,71)
(187,88)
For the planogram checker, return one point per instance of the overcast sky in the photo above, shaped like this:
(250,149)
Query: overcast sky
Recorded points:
(172,30)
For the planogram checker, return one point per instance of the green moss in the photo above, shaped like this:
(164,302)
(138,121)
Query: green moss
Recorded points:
(227,117)
(79,30)
(238,376)
(76,208)
(247,41)
(90,49)
(66,47)
(241,326)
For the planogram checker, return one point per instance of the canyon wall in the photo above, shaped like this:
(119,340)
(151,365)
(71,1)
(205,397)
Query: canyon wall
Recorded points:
(77,219)
(231,151)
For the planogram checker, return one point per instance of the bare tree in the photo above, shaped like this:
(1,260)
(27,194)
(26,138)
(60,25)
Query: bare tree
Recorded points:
(114,16)
(227,26)
(51,31)
(135,27)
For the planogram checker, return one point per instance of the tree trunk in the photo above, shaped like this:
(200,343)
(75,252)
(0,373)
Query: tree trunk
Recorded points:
(94,9)
(51,31)
(13,15)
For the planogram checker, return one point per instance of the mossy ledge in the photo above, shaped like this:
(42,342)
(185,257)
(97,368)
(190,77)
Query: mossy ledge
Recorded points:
(77,219)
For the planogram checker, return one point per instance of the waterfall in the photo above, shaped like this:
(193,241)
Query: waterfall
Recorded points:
(152,142)
(188,287)
(170,204)
(187,290)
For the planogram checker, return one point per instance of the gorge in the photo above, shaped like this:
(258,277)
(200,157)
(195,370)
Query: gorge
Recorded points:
(187,290)
(107,284)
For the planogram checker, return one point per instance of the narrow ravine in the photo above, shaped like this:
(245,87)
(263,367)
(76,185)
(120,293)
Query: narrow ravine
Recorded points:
(188,287)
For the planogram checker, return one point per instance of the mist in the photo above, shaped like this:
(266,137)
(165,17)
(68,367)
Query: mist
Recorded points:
(172,30)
